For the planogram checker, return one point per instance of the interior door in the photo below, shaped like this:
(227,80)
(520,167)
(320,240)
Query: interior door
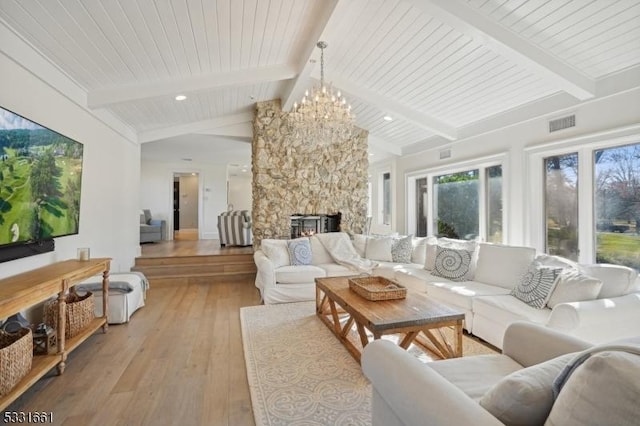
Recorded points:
(176,205)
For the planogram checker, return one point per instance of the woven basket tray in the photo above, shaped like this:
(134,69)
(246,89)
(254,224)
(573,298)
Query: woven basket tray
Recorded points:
(16,356)
(377,288)
(80,311)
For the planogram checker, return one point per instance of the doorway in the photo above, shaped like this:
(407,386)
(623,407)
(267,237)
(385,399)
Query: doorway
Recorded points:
(185,206)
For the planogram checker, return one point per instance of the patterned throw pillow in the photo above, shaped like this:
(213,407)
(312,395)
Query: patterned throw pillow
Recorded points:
(536,285)
(454,264)
(299,251)
(401,250)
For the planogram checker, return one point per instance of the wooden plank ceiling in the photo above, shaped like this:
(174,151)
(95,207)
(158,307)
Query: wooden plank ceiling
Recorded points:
(434,66)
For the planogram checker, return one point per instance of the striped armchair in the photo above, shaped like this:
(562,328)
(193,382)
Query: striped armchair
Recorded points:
(234,228)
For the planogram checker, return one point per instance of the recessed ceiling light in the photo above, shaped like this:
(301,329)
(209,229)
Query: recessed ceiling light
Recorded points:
(181,98)
(371,154)
(387,118)
(244,170)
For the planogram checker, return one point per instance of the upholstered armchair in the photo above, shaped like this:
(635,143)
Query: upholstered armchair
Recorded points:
(151,230)
(234,228)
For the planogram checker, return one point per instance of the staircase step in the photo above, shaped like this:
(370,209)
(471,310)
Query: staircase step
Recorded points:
(185,269)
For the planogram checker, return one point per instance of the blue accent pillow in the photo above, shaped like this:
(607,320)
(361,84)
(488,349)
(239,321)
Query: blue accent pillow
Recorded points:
(299,251)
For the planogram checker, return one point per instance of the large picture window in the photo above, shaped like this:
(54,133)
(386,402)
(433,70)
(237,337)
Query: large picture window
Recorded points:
(590,212)
(465,204)
(617,205)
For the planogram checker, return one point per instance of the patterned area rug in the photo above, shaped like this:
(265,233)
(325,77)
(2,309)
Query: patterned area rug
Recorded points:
(300,374)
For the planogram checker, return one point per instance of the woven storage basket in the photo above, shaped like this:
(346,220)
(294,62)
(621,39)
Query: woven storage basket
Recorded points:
(80,311)
(16,356)
(377,288)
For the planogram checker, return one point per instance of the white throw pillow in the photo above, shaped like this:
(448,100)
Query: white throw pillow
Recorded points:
(277,251)
(454,264)
(573,286)
(379,249)
(525,397)
(603,390)
(359,243)
(553,261)
(431,253)
(502,265)
(616,279)
(419,251)
(319,254)
(536,285)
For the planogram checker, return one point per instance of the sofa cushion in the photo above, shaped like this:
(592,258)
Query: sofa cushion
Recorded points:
(603,390)
(616,279)
(462,293)
(359,243)
(574,286)
(430,253)
(387,269)
(319,254)
(475,375)
(553,261)
(507,309)
(277,252)
(525,397)
(299,251)
(379,249)
(298,274)
(419,250)
(401,249)
(502,265)
(335,270)
(454,264)
(536,285)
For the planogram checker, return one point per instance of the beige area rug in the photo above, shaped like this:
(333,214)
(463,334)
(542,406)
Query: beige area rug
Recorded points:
(300,374)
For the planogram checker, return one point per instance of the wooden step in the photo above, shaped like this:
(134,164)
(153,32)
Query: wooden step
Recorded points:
(190,269)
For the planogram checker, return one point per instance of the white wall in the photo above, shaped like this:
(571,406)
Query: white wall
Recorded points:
(156,192)
(240,191)
(109,209)
(591,117)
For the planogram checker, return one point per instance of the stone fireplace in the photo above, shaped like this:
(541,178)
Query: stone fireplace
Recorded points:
(307,225)
(293,176)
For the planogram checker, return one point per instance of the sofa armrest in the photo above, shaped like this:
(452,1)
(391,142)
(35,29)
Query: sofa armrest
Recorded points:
(598,320)
(528,343)
(162,224)
(415,393)
(266,275)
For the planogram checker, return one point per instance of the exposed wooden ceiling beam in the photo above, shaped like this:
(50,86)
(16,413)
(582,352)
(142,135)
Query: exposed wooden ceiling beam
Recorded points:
(397,110)
(296,88)
(466,19)
(195,127)
(126,93)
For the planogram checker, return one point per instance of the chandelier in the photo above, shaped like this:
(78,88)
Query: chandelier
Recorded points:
(323,115)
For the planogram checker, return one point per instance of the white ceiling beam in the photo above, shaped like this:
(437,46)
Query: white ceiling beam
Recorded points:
(466,19)
(194,127)
(126,93)
(375,142)
(296,88)
(395,109)
(242,130)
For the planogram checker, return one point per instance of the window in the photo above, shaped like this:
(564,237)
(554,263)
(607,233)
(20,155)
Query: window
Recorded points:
(494,203)
(617,205)
(591,207)
(455,201)
(466,203)
(386,198)
(561,205)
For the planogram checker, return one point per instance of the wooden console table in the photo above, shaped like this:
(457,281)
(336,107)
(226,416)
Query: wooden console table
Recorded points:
(29,288)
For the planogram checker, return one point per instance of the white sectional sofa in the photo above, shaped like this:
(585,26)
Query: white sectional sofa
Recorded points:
(593,302)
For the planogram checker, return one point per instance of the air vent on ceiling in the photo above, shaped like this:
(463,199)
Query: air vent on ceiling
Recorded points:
(445,153)
(562,123)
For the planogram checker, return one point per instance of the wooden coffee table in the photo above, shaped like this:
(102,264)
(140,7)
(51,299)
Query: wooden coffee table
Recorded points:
(420,320)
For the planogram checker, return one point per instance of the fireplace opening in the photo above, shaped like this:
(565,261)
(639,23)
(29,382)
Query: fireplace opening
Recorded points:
(307,225)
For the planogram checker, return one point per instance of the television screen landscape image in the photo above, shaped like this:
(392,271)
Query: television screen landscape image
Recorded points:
(40,180)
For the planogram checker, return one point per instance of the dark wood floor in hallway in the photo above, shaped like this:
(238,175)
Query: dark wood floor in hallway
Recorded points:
(178,362)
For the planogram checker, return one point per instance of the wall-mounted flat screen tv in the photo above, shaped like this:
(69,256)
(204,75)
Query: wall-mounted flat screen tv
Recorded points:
(40,178)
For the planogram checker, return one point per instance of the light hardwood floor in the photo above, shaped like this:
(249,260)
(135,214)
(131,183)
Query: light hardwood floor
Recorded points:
(178,362)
